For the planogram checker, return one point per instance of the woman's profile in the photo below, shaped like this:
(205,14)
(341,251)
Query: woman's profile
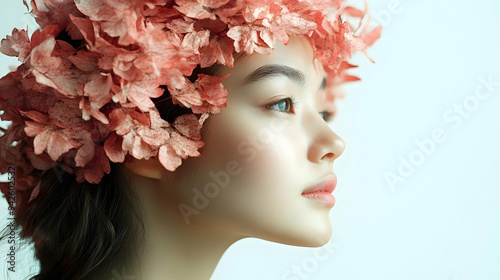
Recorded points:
(150,135)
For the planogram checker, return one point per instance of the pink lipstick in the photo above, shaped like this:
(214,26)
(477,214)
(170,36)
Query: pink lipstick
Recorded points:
(322,192)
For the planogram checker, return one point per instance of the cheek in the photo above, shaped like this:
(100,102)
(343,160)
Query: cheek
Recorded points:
(267,162)
(267,157)
(252,144)
(268,171)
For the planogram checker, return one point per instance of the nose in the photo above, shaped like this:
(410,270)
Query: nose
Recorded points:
(325,145)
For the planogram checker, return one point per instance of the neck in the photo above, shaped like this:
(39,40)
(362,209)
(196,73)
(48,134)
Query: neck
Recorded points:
(174,249)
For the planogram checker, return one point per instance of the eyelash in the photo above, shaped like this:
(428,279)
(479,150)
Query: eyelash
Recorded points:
(293,101)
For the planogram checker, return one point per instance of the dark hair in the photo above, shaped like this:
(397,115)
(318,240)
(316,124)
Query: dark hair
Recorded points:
(83,230)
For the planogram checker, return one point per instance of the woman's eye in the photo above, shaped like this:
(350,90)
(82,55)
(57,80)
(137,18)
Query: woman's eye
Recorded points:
(284,105)
(288,103)
(326,115)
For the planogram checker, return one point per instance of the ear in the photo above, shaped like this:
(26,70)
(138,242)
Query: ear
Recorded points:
(151,168)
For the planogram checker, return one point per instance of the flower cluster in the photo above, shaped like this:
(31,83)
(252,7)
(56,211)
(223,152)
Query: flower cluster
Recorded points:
(82,94)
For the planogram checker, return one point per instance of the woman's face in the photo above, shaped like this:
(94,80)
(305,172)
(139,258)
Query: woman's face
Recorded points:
(257,161)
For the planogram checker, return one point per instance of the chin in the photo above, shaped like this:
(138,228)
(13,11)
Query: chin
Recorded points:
(317,239)
(315,236)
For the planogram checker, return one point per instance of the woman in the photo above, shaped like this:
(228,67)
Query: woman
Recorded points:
(108,194)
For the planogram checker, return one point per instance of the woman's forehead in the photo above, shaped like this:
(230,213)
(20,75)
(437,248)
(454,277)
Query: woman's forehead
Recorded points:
(297,54)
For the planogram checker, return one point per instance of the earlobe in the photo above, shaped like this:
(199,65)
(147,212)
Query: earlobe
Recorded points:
(150,168)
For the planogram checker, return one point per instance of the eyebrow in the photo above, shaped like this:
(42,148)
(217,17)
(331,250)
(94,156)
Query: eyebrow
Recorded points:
(276,70)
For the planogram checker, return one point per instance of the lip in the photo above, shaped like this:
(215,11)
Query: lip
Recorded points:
(322,192)
(327,185)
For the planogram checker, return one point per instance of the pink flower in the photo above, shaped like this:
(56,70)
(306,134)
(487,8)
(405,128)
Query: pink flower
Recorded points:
(47,136)
(98,91)
(220,49)
(56,13)
(212,93)
(95,168)
(16,45)
(179,147)
(55,71)
(197,10)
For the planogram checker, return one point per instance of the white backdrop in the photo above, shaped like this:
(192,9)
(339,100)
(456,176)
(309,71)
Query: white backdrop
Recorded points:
(426,115)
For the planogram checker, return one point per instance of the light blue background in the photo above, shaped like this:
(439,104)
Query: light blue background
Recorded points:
(443,221)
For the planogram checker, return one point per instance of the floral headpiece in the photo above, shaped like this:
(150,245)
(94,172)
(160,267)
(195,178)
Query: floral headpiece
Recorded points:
(82,94)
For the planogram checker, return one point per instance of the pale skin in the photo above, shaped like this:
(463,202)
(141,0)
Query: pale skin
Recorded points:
(265,159)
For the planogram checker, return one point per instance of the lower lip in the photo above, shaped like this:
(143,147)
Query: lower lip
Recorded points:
(322,197)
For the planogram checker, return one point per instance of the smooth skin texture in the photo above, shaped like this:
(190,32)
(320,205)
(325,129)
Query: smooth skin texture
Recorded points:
(266,152)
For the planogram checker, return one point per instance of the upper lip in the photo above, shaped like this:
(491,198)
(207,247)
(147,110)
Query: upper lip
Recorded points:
(328,184)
